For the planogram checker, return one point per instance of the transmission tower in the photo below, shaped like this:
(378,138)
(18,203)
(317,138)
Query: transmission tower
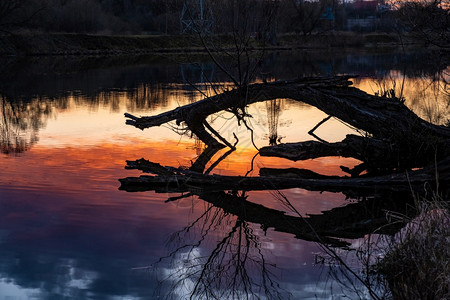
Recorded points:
(196,16)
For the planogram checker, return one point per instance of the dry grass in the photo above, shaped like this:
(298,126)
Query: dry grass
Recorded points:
(417,262)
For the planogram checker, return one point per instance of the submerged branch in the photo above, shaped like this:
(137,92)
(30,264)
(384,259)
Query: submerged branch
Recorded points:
(180,180)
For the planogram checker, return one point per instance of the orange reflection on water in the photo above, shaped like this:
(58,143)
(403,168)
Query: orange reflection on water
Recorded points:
(425,96)
(95,171)
(82,151)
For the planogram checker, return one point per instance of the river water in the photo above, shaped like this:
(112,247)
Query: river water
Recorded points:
(68,232)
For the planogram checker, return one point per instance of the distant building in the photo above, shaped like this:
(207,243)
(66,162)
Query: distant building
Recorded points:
(365,15)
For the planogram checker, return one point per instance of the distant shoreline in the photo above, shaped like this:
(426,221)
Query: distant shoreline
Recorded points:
(104,45)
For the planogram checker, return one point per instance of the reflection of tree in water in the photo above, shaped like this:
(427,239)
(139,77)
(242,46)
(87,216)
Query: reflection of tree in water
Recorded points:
(20,122)
(430,98)
(235,268)
(237,254)
(148,96)
(428,95)
(273,115)
(143,97)
(21,118)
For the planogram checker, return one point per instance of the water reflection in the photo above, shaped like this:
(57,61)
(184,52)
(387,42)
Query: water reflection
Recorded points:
(428,96)
(236,265)
(20,123)
(67,232)
(221,255)
(32,88)
(234,268)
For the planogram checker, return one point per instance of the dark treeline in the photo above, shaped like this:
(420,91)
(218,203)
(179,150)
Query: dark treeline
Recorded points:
(115,16)
(129,16)
(165,17)
(91,16)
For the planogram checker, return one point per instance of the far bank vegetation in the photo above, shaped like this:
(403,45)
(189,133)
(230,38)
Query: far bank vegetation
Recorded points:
(293,19)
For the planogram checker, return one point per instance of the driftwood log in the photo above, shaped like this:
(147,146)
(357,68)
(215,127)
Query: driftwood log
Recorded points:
(395,140)
(170,179)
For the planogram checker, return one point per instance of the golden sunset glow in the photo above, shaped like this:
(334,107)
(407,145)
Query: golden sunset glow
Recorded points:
(426,97)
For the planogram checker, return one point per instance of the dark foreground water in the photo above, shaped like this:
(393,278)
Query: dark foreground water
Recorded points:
(67,232)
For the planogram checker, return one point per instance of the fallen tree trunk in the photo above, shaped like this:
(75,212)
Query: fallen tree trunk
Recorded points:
(236,98)
(352,146)
(171,179)
(396,137)
(377,155)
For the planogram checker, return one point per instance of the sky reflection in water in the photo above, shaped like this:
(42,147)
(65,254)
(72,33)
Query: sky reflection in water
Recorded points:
(67,231)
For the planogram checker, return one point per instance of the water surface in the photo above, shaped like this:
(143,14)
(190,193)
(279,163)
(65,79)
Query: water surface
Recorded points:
(66,231)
